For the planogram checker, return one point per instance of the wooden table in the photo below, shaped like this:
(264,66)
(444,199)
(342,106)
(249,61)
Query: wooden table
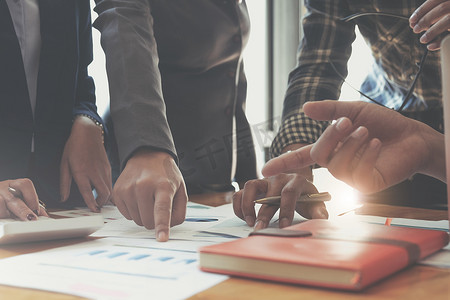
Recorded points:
(417,282)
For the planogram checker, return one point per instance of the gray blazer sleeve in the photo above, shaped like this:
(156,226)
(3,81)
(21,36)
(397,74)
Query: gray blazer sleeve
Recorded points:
(137,105)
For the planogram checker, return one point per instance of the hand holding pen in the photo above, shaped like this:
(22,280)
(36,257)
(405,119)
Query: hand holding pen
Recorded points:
(18,199)
(291,187)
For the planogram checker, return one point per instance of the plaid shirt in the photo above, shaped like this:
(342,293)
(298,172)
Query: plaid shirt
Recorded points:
(396,51)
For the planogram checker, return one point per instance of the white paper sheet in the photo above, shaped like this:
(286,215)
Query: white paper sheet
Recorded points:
(109,269)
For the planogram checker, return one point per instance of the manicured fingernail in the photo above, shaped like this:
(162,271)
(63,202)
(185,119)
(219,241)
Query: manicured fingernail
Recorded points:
(342,124)
(250,220)
(31,217)
(259,225)
(284,222)
(162,236)
(417,28)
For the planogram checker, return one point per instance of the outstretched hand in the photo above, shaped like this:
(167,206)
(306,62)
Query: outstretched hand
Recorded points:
(370,147)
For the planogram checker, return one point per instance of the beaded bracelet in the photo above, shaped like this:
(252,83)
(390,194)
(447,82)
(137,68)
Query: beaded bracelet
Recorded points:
(100,125)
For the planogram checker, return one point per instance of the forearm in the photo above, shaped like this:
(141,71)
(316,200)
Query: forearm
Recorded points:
(85,89)
(137,105)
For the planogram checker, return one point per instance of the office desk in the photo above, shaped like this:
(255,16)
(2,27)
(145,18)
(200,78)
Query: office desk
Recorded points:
(417,282)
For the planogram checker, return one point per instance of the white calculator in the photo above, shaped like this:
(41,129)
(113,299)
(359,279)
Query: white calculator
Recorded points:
(45,228)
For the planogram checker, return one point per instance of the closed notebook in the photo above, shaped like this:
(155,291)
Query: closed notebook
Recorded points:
(330,254)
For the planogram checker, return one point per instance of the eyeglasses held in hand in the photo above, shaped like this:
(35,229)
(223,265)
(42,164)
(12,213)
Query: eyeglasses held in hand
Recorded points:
(407,97)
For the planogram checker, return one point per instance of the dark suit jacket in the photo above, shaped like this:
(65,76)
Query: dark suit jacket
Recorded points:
(63,90)
(180,60)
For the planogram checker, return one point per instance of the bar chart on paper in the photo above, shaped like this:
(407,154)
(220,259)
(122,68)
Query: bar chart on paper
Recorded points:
(102,269)
(128,261)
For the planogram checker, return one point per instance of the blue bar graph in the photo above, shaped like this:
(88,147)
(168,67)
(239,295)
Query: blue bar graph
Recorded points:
(116,254)
(139,257)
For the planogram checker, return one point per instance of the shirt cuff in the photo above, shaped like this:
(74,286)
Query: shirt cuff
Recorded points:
(297,129)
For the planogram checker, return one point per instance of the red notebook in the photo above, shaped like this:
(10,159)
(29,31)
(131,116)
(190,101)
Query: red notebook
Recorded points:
(323,253)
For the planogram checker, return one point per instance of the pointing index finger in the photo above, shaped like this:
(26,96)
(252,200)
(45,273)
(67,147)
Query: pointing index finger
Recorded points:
(292,160)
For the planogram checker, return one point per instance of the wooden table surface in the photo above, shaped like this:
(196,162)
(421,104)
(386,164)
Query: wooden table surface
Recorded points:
(416,282)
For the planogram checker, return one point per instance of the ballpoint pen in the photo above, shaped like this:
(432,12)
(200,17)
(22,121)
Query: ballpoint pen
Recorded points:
(319,197)
(19,195)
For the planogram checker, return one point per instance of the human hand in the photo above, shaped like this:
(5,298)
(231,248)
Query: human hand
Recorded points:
(151,191)
(433,17)
(21,202)
(370,147)
(290,187)
(84,159)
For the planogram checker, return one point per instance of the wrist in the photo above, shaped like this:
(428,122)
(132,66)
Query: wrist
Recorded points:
(147,154)
(87,119)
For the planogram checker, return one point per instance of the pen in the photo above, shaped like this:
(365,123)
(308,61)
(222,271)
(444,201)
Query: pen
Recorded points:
(19,195)
(319,197)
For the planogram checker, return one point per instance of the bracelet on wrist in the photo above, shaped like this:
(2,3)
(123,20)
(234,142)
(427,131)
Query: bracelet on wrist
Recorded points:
(97,123)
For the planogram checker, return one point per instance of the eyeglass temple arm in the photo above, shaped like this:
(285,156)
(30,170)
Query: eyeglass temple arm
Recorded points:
(355,89)
(362,14)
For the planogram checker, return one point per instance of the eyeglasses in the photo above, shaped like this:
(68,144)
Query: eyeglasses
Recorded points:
(407,97)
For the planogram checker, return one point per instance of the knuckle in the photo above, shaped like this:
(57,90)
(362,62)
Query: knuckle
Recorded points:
(288,190)
(23,211)
(251,184)
(279,177)
(236,197)
(165,185)
(23,182)
(9,198)
(163,208)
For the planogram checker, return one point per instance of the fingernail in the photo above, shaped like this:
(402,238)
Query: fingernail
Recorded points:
(342,124)
(284,222)
(97,209)
(359,133)
(375,144)
(424,38)
(323,213)
(250,220)
(31,217)
(259,225)
(413,18)
(433,46)
(417,28)
(162,237)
